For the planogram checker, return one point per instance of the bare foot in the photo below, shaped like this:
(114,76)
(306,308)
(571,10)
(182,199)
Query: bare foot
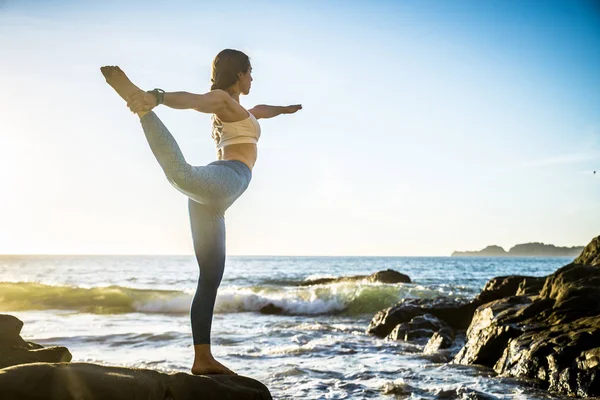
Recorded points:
(117,79)
(210,367)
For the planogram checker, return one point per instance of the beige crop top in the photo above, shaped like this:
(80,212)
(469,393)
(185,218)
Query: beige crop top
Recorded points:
(244,131)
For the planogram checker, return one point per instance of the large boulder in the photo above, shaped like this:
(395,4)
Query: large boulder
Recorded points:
(82,381)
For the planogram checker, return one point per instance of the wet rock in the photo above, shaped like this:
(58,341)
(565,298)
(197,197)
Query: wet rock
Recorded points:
(463,393)
(486,340)
(419,329)
(64,381)
(552,337)
(14,350)
(387,276)
(503,286)
(457,314)
(441,340)
(542,328)
(454,313)
(271,309)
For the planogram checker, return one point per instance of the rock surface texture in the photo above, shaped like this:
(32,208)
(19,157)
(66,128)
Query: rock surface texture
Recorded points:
(545,329)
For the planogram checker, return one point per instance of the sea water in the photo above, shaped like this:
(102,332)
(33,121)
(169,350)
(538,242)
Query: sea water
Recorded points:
(134,311)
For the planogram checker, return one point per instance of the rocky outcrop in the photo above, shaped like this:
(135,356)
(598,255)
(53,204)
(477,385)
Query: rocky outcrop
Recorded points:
(387,276)
(29,371)
(546,329)
(552,337)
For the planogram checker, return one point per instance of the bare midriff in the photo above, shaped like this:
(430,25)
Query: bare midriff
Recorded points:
(244,152)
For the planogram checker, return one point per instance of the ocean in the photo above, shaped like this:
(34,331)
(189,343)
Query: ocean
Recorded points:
(134,311)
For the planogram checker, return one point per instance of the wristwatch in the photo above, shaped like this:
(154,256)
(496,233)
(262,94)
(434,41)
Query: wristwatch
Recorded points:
(159,94)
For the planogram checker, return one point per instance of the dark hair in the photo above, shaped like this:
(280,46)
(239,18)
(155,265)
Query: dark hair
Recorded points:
(226,66)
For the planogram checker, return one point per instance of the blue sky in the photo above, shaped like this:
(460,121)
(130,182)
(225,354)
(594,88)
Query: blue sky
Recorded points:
(428,126)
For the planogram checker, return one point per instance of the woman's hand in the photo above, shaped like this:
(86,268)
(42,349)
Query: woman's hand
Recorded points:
(291,109)
(265,111)
(141,101)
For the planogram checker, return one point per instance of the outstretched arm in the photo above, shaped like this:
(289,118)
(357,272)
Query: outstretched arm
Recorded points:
(265,111)
(213,102)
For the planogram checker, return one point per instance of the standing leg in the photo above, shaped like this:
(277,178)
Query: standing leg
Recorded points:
(208,232)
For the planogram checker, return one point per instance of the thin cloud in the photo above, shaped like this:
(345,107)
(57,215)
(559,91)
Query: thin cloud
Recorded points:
(563,159)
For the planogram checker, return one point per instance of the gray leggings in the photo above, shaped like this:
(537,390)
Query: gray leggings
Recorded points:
(211,189)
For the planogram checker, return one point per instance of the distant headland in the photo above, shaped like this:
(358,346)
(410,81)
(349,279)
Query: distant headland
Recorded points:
(523,250)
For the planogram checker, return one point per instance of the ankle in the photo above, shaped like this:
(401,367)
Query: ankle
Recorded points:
(202,353)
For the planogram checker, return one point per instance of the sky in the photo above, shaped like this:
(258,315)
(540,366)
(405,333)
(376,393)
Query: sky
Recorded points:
(427,126)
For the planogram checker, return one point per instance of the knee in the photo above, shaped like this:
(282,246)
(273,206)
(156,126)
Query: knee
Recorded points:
(210,279)
(177,179)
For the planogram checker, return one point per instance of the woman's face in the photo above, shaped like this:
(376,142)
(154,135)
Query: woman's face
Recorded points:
(246,81)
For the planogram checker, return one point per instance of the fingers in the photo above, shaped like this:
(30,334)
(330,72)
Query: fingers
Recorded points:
(138,108)
(292,109)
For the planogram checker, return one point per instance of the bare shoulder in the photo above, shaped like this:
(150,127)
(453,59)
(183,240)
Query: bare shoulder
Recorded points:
(233,111)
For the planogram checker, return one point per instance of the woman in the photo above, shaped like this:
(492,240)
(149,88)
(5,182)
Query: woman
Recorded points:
(211,188)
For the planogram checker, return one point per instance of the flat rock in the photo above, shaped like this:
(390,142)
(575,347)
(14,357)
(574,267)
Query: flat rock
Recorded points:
(83,381)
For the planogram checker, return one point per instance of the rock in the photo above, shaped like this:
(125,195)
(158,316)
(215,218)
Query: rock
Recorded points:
(531,286)
(485,340)
(417,329)
(552,337)
(384,322)
(441,340)
(14,350)
(64,381)
(505,286)
(9,357)
(29,371)
(271,309)
(10,326)
(464,393)
(387,276)
(457,314)
(591,254)
(454,313)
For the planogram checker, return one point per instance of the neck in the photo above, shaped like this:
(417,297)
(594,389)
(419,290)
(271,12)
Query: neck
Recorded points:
(234,94)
